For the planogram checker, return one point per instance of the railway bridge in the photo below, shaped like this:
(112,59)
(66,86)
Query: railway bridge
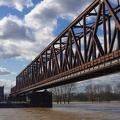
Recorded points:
(89,47)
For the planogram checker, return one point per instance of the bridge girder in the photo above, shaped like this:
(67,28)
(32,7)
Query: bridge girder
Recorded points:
(93,35)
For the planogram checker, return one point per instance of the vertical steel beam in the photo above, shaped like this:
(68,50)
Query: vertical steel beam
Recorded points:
(109,32)
(118,2)
(85,43)
(118,38)
(112,41)
(104,28)
(61,55)
(94,51)
(70,52)
(46,59)
(79,45)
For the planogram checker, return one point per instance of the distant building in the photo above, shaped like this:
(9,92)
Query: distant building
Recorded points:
(1,93)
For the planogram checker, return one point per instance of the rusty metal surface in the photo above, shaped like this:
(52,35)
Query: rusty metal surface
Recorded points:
(91,39)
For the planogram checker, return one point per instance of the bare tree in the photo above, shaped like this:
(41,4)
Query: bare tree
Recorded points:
(98,92)
(117,91)
(70,88)
(90,92)
(63,93)
(57,92)
(108,91)
(117,88)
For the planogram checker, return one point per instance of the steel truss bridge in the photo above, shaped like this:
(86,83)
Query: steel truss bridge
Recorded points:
(89,47)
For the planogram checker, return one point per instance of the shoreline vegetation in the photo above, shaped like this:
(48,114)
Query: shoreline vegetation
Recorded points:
(66,94)
(94,93)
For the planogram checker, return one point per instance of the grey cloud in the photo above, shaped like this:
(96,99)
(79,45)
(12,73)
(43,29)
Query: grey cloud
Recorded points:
(12,30)
(72,8)
(4,71)
(17,4)
(8,51)
(9,55)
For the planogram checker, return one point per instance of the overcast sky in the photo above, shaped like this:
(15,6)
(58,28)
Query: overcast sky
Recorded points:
(28,26)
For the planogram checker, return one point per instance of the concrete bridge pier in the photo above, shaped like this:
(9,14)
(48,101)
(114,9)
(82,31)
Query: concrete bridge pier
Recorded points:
(41,99)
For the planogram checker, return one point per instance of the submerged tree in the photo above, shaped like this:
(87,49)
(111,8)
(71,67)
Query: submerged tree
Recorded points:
(90,92)
(70,88)
(98,92)
(63,93)
(117,88)
(57,91)
(108,91)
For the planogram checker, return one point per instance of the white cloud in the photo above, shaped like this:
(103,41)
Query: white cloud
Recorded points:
(17,4)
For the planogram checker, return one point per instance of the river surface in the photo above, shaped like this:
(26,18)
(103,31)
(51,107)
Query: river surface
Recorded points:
(73,111)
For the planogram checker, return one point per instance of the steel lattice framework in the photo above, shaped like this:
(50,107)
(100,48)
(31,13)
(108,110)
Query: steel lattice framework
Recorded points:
(92,38)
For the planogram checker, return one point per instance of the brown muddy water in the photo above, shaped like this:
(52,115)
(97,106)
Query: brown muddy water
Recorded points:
(73,111)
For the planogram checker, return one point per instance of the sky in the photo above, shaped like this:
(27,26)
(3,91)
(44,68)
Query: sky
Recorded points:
(28,26)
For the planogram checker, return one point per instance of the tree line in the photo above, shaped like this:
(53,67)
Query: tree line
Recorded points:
(93,93)
(63,93)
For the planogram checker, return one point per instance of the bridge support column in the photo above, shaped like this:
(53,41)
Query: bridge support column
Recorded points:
(41,99)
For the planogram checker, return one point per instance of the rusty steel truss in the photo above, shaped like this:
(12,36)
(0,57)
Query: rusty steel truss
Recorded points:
(92,38)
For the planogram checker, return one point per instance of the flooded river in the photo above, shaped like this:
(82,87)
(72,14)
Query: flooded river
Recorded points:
(73,111)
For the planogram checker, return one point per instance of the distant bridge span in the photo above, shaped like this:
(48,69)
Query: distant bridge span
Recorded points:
(89,47)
